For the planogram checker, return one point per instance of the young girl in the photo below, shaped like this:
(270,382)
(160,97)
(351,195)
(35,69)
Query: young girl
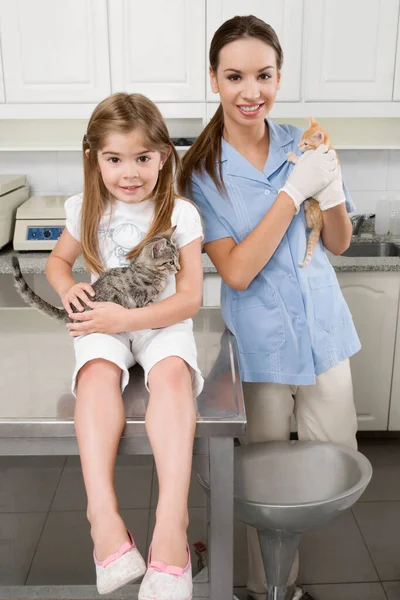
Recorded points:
(129,161)
(293,328)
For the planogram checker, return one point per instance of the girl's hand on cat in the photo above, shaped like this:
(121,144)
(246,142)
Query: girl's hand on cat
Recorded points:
(77,295)
(313,171)
(105,317)
(333,194)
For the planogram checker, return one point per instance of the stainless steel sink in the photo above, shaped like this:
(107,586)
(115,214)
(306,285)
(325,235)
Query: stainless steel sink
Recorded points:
(372,249)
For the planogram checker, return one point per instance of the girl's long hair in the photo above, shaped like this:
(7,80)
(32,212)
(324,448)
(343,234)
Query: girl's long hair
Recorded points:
(124,113)
(205,153)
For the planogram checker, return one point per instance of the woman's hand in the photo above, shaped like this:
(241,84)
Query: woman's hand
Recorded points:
(313,171)
(105,317)
(333,194)
(76,295)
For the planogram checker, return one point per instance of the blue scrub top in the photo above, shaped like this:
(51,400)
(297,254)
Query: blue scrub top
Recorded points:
(291,323)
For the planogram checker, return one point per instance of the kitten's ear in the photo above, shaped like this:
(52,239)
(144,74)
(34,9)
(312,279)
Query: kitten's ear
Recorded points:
(317,137)
(158,248)
(170,232)
(313,121)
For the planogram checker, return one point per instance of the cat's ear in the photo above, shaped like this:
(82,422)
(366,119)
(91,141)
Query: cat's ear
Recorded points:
(170,232)
(313,121)
(317,137)
(158,248)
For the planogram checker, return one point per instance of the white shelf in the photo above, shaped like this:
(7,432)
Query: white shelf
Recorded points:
(65,135)
(60,148)
(62,135)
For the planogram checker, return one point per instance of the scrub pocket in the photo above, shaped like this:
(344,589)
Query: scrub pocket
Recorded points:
(330,308)
(257,319)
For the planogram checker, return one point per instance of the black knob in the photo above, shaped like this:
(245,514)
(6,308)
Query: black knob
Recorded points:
(47,233)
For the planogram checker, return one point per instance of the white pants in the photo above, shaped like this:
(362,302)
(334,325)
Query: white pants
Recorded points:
(324,412)
(146,347)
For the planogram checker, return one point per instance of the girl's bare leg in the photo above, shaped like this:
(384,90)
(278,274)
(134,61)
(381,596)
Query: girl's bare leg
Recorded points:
(170,424)
(99,422)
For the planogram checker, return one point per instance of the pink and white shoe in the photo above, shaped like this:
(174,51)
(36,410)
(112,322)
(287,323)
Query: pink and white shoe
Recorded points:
(123,566)
(165,582)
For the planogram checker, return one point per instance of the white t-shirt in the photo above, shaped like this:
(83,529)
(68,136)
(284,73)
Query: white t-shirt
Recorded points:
(128,225)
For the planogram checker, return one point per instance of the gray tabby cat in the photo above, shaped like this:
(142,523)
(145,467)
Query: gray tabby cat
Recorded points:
(133,286)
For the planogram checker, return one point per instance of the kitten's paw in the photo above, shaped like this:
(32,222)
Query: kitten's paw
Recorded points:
(292,157)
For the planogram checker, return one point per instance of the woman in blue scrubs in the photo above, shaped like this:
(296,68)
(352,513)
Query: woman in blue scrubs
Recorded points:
(294,331)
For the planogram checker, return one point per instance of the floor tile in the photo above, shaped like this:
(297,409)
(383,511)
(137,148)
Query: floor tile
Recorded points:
(133,478)
(335,553)
(65,553)
(379,523)
(384,456)
(19,535)
(392,589)
(347,591)
(28,483)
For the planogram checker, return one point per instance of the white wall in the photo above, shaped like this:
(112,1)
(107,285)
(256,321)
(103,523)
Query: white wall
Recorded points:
(369,174)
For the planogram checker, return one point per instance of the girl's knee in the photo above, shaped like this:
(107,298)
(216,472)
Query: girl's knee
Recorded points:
(99,370)
(170,372)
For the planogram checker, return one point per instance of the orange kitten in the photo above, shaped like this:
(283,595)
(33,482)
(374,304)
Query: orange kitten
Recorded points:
(313,137)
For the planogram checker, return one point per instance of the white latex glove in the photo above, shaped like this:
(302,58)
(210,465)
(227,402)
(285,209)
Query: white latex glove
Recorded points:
(314,170)
(333,194)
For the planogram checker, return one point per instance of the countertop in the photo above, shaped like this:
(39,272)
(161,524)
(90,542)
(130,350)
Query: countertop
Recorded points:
(34,262)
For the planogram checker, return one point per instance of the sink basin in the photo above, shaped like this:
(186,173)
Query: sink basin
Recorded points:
(372,249)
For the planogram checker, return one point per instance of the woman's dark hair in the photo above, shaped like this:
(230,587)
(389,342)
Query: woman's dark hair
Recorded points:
(206,151)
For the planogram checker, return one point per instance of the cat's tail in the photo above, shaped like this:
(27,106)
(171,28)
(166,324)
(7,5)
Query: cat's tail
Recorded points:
(311,243)
(33,299)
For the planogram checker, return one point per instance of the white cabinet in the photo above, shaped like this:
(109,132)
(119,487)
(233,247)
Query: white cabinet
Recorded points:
(373,300)
(2,96)
(211,289)
(285,16)
(396,90)
(394,415)
(158,48)
(55,51)
(350,48)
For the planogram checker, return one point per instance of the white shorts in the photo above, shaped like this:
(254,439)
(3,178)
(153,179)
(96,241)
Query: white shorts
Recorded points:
(146,347)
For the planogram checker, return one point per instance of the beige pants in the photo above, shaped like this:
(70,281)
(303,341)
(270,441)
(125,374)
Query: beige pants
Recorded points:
(324,411)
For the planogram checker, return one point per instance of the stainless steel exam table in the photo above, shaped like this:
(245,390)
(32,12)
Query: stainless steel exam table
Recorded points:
(36,424)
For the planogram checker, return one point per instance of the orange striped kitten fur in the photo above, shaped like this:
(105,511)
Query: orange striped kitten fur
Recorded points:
(313,137)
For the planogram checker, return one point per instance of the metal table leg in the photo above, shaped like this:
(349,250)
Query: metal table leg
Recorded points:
(221,519)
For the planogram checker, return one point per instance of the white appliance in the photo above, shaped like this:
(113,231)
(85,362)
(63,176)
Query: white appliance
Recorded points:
(40,222)
(13,191)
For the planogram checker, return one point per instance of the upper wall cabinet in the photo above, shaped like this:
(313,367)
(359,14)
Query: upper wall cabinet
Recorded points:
(396,91)
(55,51)
(2,95)
(350,49)
(285,16)
(157,48)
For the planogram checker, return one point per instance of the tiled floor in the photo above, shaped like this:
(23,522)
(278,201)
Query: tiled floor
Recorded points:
(44,535)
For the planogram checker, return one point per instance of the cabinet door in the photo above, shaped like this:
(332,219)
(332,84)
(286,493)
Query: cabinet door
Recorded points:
(285,16)
(55,50)
(373,300)
(157,48)
(350,49)
(211,289)
(394,414)
(2,96)
(396,91)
